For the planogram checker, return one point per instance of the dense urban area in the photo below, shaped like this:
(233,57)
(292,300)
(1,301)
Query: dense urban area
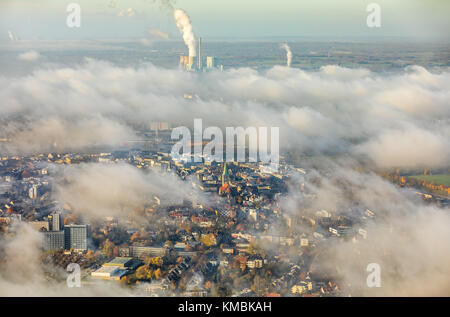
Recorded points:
(229,237)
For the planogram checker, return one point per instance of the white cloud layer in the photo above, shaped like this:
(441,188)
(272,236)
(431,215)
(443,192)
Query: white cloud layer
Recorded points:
(388,120)
(336,110)
(30,56)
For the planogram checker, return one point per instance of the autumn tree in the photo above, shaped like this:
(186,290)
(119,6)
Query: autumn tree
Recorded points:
(108,248)
(208,240)
(157,274)
(144,273)
(141,273)
(155,261)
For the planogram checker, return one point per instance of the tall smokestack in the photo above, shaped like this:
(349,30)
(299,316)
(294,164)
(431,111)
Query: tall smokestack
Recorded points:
(200,65)
(288,54)
(185,27)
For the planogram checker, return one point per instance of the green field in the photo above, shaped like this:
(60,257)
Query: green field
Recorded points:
(440,179)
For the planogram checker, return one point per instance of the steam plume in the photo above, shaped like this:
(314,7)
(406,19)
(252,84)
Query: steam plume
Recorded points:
(288,54)
(185,27)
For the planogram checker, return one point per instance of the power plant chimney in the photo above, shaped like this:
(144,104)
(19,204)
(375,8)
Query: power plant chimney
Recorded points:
(200,64)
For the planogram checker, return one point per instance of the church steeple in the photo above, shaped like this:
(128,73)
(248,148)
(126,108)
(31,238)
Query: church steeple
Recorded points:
(225,188)
(225,178)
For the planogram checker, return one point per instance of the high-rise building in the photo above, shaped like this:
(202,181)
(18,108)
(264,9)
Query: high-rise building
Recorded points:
(76,237)
(54,240)
(57,222)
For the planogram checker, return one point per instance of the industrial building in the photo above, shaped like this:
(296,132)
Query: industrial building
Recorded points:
(109,273)
(195,63)
(124,263)
(116,268)
(210,62)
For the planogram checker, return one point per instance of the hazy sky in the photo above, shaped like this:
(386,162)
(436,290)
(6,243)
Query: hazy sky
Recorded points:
(45,19)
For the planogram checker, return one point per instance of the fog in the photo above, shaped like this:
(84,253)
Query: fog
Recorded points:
(409,239)
(96,191)
(387,121)
(384,118)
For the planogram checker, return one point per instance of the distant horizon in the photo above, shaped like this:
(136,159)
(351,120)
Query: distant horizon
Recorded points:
(356,39)
(229,19)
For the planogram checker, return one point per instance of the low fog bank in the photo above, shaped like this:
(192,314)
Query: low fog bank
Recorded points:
(391,120)
(409,238)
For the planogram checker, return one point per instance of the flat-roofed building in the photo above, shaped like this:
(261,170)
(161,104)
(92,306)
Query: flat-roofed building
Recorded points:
(123,263)
(109,273)
(139,251)
(190,254)
(54,240)
(76,237)
(255,263)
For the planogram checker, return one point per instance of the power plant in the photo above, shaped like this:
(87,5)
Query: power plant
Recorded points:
(195,63)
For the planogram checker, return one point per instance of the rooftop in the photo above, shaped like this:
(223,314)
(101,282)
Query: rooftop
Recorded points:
(119,261)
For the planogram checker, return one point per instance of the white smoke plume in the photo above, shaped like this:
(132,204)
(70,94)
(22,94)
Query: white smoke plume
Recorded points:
(185,27)
(288,54)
